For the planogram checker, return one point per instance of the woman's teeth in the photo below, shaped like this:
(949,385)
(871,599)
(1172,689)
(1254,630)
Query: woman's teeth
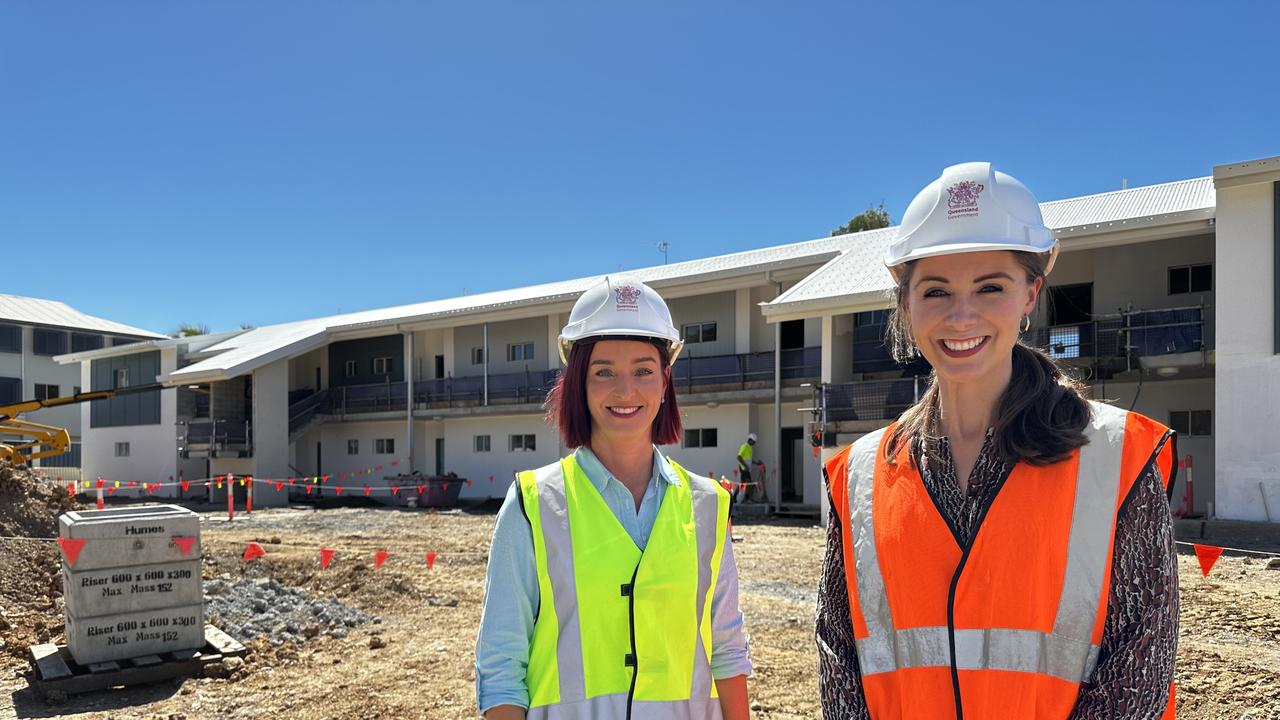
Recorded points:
(624,410)
(962,345)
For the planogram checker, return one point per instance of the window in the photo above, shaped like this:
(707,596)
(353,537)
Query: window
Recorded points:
(1192,423)
(384,446)
(524,443)
(382,366)
(519,352)
(349,369)
(1191,279)
(701,438)
(44,392)
(85,341)
(122,341)
(48,342)
(10,390)
(482,443)
(122,449)
(477,356)
(122,378)
(870,318)
(10,338)
(700,332)
(353,447)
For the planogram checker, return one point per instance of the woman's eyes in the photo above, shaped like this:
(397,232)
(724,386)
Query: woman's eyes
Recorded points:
(939,292)
(604,373)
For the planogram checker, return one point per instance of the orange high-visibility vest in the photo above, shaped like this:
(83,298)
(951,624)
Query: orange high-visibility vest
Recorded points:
(1007,624)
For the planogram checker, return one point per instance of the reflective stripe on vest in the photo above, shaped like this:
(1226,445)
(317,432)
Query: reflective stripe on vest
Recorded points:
(1062,648)
(610,638)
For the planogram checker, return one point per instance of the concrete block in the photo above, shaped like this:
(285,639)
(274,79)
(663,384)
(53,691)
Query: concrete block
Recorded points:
(90,593)
(134,634)
(130,536)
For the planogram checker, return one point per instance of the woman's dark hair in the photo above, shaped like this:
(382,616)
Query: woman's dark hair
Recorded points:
(1040,417)
(567,402)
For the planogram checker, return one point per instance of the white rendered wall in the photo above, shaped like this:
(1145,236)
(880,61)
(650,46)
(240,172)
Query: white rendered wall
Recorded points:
(714,307)
(1247,405)
(731,422)
(32,369)
(152,448)
(271,429)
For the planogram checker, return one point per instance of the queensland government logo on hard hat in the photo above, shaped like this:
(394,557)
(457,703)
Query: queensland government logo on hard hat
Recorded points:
(627,298)
(963,200)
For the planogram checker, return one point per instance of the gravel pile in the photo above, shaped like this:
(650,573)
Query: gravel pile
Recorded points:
(261,607)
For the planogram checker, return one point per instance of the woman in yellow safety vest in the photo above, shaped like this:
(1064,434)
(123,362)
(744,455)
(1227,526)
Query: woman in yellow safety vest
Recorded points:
(612,590)
(1004,549)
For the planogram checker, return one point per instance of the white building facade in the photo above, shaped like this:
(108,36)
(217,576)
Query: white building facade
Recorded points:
(33,331)
(457,385)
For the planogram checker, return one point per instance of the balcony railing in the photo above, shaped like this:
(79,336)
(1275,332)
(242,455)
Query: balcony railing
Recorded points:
(689,374)
(1147,333)
(868,399)
(692,372)
(217,436)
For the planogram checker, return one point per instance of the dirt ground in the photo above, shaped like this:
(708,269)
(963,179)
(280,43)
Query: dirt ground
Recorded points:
(1229,654)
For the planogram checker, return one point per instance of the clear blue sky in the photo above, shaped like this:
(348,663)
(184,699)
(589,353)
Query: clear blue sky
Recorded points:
(237,162)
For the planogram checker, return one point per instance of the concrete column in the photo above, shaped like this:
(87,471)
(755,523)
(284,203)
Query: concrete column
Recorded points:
(408,410)
(742,320)
(1247,246)
(555,321)
(828,347)
(448,352)
(271,430)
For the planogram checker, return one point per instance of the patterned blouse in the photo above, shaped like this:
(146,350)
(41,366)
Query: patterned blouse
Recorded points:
(1139,640)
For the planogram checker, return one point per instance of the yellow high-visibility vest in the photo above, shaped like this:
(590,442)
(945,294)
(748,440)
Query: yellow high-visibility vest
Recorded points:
(620,632)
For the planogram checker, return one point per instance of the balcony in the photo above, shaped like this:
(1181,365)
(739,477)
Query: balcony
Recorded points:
(868,399)
(691,374)
(1146,333)
(216,438)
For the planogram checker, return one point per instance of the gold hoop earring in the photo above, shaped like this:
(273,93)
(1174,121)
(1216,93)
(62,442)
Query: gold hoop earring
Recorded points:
(1026,323)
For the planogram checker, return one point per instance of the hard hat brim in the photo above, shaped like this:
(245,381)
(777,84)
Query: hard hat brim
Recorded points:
(968,246)
(673,346)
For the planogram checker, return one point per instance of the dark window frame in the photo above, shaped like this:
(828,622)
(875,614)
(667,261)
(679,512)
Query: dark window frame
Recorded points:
(1182,279)
(10,342)
(700,332)
(41,339)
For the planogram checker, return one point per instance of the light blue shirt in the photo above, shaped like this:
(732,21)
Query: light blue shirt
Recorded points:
(511,587)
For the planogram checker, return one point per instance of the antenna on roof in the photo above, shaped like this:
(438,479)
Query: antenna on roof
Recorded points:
(663,247)
(1124,183)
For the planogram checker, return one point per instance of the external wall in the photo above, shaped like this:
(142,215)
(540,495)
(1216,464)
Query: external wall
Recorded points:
(501,334)
(500,462)
(1247,404)
(271,429)
(1156,400)
(718,308)
(32,369)
(302,370)
(153,448)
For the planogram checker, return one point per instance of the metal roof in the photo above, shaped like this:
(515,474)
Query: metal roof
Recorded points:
(37,311)
(859,276)
(260,346)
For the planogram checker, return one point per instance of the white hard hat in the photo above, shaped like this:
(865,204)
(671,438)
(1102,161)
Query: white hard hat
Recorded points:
(971,208)
(620,305)
(751,437)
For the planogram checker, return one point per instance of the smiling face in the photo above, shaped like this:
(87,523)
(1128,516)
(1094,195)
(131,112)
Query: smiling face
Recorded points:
(625,386)
(965,311)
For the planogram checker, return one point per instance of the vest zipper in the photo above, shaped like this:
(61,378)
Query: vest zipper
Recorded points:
(631,619)
(966,547)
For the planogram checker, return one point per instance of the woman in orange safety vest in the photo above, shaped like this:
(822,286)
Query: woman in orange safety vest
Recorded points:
(1004,548)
